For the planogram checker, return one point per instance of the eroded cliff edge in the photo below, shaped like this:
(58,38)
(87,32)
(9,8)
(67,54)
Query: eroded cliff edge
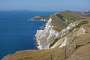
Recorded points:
(66,36)
(58,28)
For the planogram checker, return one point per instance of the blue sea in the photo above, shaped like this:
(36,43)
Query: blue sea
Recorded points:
(17,30)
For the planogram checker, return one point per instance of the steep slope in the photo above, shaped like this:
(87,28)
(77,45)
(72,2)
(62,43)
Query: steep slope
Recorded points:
(56,28)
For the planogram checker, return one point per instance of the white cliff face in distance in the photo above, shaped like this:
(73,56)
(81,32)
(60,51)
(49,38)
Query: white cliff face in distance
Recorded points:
(43,36)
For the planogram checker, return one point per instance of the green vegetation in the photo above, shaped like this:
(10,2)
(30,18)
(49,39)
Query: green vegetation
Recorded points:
(70,17)
(61,20)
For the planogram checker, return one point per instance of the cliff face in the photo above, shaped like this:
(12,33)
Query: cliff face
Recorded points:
(57,29)
(66,36)
(46,36)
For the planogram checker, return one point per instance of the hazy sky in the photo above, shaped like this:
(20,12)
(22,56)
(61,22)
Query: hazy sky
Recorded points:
(45,5)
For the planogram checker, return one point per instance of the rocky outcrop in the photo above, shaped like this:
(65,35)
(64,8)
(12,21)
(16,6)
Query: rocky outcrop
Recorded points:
(40,18)
(56,30)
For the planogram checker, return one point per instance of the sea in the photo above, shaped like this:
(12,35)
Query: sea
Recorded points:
(17,30)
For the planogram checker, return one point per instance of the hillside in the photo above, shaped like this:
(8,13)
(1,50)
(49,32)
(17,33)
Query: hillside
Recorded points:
(66,36)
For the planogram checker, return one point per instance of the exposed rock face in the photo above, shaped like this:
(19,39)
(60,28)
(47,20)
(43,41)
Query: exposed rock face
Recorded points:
(59,35)
(62,39)
(43,36)
(55,32)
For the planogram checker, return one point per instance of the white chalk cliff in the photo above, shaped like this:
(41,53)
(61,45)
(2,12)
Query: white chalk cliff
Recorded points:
(43,36)
(49,37)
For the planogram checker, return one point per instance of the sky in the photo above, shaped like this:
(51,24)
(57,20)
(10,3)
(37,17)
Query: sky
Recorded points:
(44,5)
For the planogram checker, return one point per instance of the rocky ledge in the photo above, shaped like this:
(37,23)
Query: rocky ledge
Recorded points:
(66,36)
